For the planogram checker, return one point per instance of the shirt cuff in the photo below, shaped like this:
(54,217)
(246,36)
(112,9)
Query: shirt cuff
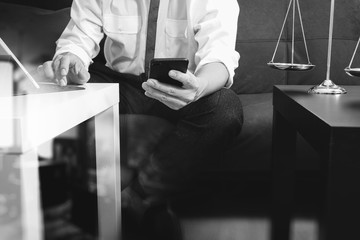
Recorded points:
(230,63)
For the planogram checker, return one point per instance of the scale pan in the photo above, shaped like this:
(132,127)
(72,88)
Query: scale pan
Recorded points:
(291,66)
(353,72)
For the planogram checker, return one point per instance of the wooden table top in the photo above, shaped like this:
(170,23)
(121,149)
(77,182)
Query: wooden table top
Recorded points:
(341,110)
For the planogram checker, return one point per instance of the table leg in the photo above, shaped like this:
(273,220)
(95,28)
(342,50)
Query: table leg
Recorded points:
(20,203)
(284,147)
(108,173)
(341,213)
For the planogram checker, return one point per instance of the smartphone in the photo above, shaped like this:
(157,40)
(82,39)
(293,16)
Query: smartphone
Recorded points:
(160,67)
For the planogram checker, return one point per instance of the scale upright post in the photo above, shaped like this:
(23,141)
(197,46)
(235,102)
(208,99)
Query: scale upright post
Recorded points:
(327,86)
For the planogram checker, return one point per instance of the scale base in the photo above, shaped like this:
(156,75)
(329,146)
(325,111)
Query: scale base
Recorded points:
(327,87)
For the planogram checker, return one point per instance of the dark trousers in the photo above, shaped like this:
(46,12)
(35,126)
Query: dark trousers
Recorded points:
(203,130)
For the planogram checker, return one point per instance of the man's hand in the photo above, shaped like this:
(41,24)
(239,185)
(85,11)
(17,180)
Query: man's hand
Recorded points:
(172,96)
(65,69)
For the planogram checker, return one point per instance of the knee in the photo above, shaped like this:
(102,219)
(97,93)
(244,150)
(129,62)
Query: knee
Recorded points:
(221,112)
(229,111)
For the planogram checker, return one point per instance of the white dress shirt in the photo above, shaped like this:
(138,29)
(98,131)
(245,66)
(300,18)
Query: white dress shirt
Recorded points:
(203,31)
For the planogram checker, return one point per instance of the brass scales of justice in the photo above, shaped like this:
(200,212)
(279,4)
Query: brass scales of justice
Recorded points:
(327,86)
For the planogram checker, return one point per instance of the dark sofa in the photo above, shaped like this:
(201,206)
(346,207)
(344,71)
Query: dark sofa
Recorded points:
(31,32)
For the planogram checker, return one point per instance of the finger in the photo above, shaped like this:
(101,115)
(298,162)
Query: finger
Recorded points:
(64,65)
(56,66)
(79,74)
(184,95)
(40,70)
(63,81)
(82,73)
(154,93)
(169,101)
(166,88)
(76,68)
(46,70)
(184,78)
(161,96)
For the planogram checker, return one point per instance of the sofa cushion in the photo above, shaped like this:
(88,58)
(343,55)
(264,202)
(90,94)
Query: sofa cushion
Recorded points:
(259,25)
(253,75)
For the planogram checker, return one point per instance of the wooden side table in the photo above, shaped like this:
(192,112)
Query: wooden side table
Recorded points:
(331,125)
(37,118)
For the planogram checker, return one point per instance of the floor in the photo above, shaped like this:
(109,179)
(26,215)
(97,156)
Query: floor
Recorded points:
(243,229)
(243,212)
(229,213)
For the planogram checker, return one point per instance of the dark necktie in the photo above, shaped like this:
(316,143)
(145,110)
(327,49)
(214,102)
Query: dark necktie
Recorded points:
(151,33)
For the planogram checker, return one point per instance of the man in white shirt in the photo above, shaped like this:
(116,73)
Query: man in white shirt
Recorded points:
(207,115)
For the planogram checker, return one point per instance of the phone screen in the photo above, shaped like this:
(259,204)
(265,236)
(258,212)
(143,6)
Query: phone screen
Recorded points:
(160,67)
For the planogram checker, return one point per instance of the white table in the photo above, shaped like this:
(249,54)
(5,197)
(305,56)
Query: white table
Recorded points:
(29,121)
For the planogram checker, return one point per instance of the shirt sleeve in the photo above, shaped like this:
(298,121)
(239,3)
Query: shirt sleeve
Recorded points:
(215,29)
(84,31)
